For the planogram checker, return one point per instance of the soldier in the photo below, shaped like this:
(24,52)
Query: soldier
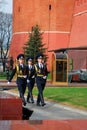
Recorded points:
(41,76)
(21,70)
(30,79)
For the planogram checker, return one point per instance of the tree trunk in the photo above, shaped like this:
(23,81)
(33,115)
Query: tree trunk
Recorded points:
(3,66)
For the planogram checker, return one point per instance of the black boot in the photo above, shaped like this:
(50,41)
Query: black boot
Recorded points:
(24,102)
(28,96)
(38,100)
(42,100)
(23,99)
(32,100)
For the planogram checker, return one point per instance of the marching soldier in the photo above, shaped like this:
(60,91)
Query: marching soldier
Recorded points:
(30,79)
(41,76)
(21,70)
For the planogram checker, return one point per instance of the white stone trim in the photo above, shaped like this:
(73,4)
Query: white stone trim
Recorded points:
(56,32)
(80,13)
(20,33)
(41,31)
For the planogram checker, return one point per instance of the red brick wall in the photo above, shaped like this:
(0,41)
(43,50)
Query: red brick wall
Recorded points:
(17,43)
(79,25)
(55,22)
(78,36)
(28,13)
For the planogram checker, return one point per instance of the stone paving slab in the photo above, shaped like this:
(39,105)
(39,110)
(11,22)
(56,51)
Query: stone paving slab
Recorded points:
(44,125)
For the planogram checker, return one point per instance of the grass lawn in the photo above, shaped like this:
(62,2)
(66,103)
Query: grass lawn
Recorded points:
(2,78)
(72,96)
(2,75)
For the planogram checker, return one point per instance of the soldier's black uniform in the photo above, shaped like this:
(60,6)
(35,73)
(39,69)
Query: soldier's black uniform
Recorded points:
(41,74)
(30,80)
(21,71)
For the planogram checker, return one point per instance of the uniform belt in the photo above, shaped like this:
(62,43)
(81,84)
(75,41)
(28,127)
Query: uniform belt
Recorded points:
(40,75)
(22,76)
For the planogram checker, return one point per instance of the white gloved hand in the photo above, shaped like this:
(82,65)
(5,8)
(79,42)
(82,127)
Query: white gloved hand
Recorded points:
(28,81)
(44,77)
(8,82)
(33,76)
(25,76)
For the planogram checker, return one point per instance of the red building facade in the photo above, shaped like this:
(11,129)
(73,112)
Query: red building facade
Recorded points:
(54,18)
(79,31)
(78,36)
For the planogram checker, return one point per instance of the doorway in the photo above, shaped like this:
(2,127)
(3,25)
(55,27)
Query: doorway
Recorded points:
(60,68)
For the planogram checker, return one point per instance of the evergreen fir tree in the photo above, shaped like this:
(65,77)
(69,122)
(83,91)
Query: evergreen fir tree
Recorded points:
(35,46)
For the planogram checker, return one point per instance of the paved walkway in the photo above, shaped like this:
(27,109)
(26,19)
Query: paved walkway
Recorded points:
(54,111)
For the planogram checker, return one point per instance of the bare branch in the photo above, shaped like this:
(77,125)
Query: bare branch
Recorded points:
(5,34)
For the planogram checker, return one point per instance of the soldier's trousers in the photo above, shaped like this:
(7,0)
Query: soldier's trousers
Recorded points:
(21,83)
(30,88)
(40,85)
